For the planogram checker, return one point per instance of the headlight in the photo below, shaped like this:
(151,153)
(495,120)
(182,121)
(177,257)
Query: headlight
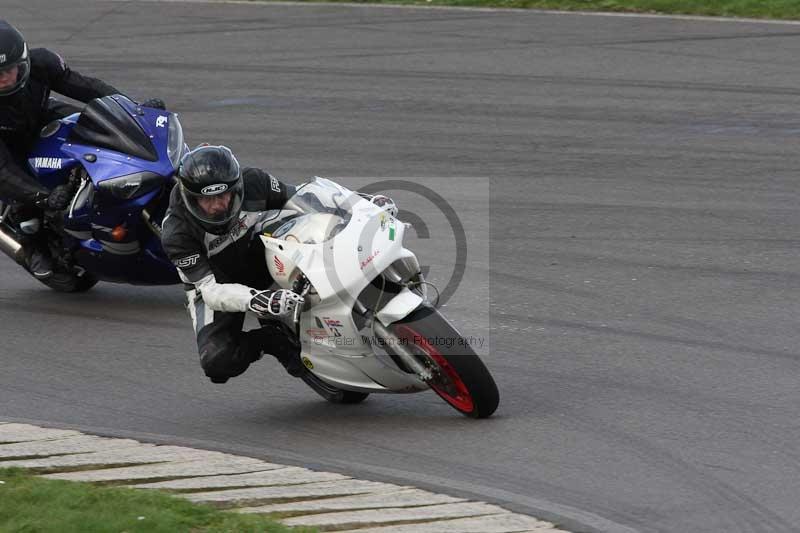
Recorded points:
(131,186)
(175,141)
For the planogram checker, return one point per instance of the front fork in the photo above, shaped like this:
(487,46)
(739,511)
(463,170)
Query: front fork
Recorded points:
(397,347)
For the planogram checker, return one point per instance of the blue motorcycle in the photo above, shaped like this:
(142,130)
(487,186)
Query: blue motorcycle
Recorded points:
(120,159)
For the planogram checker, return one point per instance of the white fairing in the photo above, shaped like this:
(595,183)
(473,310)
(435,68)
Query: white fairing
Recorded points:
(340,253)
(399,307)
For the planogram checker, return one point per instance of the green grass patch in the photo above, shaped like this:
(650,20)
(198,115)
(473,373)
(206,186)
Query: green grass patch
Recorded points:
(33,504)
(775,9)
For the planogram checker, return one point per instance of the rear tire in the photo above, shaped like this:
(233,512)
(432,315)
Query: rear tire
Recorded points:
(331,393)
(460,377)
(69,282)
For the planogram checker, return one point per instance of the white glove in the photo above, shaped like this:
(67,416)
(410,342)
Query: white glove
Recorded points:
(385,203)
(269,304)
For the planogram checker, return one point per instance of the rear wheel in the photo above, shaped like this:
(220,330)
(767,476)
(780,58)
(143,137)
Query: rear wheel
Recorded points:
(459,377)
(69,282)
(331,393)
(66,277)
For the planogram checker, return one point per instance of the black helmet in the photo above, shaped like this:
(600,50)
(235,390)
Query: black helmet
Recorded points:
(13,53)
(210,173)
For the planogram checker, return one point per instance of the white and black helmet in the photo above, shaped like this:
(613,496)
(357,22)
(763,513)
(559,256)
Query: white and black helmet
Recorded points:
(209,171)
(14,53)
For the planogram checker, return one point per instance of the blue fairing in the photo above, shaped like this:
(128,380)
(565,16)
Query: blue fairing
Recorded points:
(109,164)
(136,256)
(48,154)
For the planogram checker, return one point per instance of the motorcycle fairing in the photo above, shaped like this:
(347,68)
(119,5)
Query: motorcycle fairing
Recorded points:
(114,159)
(144,131)
(340,278)
(48,150)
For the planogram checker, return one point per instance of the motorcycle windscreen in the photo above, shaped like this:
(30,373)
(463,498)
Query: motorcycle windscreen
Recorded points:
(322,209)
(105,123)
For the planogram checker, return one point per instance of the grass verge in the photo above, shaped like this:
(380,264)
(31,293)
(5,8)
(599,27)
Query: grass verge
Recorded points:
(773,9)
(30,503)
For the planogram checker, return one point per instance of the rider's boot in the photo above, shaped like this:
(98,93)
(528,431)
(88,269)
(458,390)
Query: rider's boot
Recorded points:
(289,357)
(276,339)
(36,253)
(39,262)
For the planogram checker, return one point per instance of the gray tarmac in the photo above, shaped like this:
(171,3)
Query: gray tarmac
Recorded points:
(629,192)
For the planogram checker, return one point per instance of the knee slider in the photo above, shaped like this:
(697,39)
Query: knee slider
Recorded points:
(223,360)
(215,360)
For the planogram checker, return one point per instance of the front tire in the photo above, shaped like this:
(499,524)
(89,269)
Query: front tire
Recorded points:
(459,376)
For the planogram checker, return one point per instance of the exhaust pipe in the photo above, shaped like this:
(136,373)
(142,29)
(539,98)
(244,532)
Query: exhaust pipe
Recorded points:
(11,247)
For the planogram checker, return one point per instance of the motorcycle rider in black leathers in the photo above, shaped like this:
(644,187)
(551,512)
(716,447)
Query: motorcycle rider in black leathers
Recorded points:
(208,234)
(26,79)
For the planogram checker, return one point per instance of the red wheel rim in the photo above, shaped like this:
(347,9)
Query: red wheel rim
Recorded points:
(457,393)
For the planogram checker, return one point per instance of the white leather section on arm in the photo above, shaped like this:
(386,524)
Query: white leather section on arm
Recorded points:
(228,297)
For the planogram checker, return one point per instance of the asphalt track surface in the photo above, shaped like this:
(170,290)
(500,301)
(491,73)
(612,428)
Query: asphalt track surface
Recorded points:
(639,178)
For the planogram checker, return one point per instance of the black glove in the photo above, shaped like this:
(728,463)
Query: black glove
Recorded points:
(269,304)
(156,103)
(58,199)
(38,199)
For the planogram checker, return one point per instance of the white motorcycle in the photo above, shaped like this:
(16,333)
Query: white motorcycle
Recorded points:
(366,325)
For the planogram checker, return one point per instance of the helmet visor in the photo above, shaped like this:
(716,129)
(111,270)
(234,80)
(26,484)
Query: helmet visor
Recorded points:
(13,77)
(215,207)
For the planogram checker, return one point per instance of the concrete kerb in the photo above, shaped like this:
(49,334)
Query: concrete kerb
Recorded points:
(243,484)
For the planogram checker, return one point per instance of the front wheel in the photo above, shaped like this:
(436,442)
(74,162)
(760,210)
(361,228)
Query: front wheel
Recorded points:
(459,377)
